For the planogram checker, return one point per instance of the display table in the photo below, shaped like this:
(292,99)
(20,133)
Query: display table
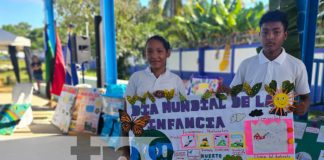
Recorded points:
(310,145)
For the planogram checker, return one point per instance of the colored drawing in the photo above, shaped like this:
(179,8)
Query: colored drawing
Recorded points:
(227,53)
(271,136)
(62,115)
(193,153)
(221,140)
(199,86)
(238,117)
(188,141)
(86,111)
(237,140)
(205,141)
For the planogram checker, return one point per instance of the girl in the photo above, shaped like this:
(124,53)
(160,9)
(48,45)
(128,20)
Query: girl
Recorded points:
(156,77)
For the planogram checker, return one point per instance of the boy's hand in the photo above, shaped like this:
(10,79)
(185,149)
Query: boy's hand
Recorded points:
(301,108)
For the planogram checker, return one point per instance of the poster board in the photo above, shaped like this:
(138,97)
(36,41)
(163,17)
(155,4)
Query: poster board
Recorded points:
(86,111)
(62,115)
(240,127)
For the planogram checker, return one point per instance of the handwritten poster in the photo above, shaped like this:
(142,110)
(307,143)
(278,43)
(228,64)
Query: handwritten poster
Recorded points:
(237,128)
(86,111)
(62,115)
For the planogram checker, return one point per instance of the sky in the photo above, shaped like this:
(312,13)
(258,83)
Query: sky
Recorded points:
(15,11)
(30,11)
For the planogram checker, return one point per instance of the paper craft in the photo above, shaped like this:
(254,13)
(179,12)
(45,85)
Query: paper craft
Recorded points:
(62,115)
(312,130)
(22,93)
(205,141)
(281,103)
(112,105)
(299,129)
(221,140)
(213,128)
(321,157)
(320,137)
(86,111)
(198,86)
(188,141)
(303,156)
(272,136)
(10,116)
(237,140)
(194,153)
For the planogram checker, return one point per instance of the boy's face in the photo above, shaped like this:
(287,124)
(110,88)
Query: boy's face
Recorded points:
(272,36)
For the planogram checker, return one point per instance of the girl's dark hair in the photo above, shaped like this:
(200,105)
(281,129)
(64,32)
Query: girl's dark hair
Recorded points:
(275,16)
(35,56)
(165,43)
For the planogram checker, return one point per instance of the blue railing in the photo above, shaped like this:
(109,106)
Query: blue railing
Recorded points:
(318,86)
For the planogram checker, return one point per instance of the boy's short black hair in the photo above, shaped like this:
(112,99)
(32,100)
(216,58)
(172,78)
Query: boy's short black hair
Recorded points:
(275,16)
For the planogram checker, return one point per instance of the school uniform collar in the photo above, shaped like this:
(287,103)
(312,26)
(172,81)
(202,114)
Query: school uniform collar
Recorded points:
(280,59)
(149,71)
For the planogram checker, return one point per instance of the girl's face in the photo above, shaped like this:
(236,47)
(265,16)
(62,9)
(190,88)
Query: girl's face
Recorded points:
(156,54)
(35,59)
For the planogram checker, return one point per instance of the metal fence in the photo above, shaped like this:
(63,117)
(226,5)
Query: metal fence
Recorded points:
(204,62)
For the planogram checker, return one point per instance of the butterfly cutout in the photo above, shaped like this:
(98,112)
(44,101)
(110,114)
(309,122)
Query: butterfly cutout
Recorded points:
(132,99)
(169,94)
(136,126)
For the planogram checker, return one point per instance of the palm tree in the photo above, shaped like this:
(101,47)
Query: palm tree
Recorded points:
(214,23)
(172,8)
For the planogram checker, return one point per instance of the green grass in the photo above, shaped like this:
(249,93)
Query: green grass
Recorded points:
(22,69)
(23,72)
(90,73)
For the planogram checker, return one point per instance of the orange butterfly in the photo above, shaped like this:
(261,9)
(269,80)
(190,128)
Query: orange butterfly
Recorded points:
(136,126)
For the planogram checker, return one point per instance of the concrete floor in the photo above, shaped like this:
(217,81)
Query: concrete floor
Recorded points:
(43,141)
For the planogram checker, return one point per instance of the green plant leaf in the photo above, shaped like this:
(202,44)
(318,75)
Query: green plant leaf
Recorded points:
(256,88)
(269,90)
(207,95)
(273,85)
(235,90)
(221,96)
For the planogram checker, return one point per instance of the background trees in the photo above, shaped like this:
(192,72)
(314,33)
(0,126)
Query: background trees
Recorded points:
(185,23)
(24,29)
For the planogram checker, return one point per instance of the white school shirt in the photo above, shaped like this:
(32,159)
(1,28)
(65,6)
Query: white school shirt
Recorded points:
(258,69)
(142,81)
